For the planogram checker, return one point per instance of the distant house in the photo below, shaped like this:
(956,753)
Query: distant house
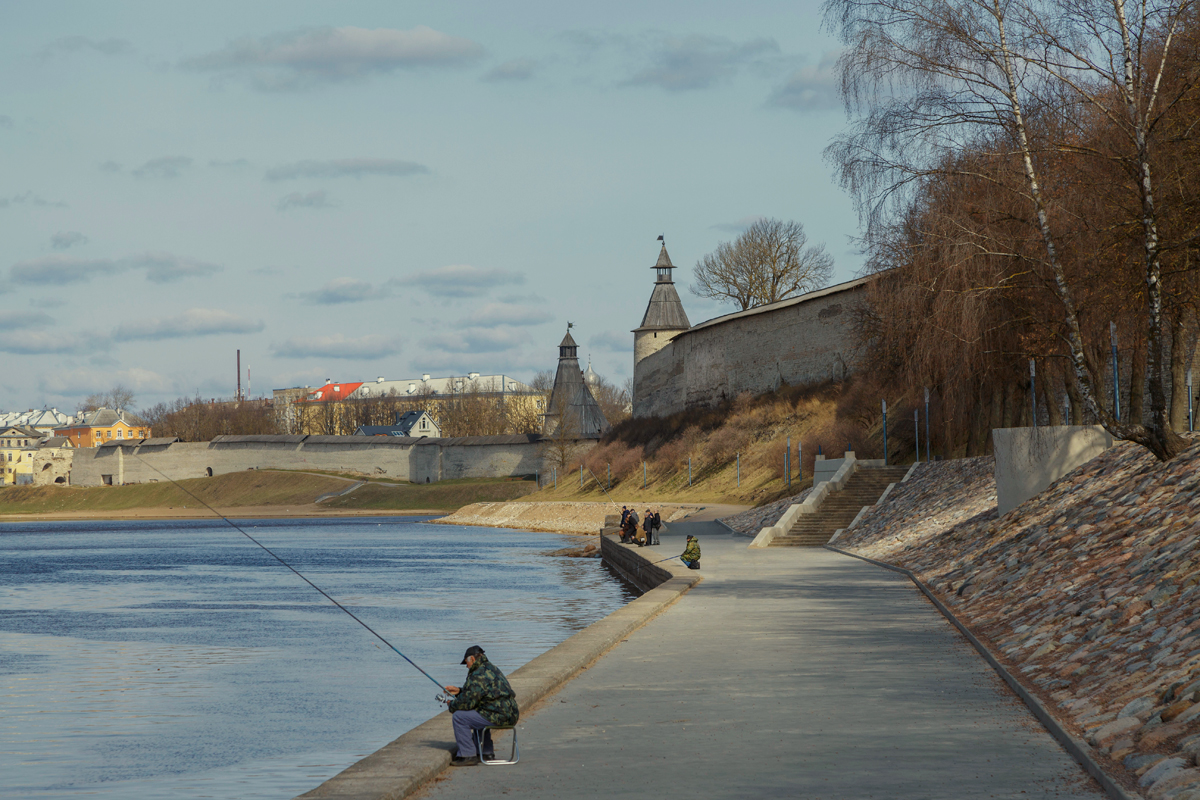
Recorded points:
(93,428)
(17,446)
(410,423)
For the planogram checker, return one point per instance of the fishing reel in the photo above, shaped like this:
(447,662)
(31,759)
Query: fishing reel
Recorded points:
(444,698)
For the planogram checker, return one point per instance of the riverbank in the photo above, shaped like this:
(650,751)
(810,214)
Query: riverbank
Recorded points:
(563,517)
(254,493)
(1088,592)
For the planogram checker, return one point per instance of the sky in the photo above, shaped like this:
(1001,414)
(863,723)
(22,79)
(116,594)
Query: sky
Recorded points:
(349,190)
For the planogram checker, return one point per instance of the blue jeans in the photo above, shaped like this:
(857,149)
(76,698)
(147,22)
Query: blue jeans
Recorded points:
(465,722)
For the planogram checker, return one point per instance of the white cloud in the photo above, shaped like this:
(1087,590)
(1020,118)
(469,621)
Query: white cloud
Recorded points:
(315,199)
(163,167)
(166,268)
(80,382)
(737,226)
(509,312)
(66,239)
(698,62)
(344,290)
(61,270)
(309,58)
(337,346)
(478,340)
(38,343)
(190,323)
(810,88)
(463,280)
(16,320)
(518,69)
(345,168)
(30,199)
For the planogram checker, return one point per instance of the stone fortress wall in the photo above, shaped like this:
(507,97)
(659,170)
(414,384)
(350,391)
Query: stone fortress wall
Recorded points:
(400,458)
(804,339)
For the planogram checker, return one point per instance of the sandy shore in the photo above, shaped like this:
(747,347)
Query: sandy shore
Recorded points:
(240,512)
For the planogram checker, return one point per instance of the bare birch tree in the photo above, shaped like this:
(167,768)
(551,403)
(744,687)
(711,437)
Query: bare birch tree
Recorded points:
(770,261)
(930,79)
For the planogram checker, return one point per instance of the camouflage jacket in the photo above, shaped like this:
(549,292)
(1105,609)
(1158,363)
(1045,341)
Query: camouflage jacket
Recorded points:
(693,551)
(487,691)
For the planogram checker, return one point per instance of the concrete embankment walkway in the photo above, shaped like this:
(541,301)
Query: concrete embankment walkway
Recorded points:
(785,673)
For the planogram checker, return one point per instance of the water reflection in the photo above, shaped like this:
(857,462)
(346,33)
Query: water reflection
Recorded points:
(159,659)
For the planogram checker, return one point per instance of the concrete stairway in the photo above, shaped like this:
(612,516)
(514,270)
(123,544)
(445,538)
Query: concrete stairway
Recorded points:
(840,508)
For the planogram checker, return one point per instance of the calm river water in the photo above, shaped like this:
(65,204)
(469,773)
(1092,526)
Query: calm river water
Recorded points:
(176,659)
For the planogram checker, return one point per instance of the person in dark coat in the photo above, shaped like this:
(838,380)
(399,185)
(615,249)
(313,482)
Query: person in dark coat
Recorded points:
(486,698)
(657,526)
(648,528)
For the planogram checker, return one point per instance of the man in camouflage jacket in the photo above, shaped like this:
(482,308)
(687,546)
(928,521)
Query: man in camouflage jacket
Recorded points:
(484,699)
(691,556)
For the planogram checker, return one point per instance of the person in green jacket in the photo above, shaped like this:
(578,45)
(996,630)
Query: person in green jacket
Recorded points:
(691,556)
(484,699)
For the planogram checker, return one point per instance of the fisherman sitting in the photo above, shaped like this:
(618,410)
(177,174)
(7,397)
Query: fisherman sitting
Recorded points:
(691,556)
(484,700)
(631,527)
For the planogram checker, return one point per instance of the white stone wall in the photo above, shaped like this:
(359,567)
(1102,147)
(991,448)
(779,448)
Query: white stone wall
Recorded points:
(796,343)
(428,461)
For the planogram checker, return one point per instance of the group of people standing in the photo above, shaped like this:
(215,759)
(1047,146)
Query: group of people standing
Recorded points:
(641,530)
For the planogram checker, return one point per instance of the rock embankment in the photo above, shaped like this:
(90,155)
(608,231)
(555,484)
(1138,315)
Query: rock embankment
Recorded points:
(752,521)
(552,517)
(1089,591)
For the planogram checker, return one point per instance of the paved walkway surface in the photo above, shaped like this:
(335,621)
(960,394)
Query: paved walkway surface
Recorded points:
(789,672)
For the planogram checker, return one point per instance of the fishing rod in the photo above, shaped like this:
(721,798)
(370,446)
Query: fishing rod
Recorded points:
(597,480)
(270,552)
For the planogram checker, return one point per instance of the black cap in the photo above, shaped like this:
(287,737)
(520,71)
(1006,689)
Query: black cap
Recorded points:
(473,650)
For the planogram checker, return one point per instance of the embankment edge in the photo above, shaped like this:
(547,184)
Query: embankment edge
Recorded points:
(402,767)
(1077,748)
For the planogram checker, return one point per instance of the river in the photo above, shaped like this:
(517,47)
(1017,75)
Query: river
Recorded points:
(159,659)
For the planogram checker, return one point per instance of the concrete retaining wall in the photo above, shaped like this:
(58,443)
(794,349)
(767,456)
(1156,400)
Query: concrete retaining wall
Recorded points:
(630,564)
(803,340)
(423,461)
(1028,460)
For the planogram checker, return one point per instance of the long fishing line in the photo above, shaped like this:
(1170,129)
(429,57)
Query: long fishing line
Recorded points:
(293,569)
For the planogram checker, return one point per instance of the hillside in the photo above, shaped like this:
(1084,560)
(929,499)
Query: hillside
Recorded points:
(827,418)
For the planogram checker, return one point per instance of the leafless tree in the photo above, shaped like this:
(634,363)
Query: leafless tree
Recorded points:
(118,397)
(1024,81)
(770,261)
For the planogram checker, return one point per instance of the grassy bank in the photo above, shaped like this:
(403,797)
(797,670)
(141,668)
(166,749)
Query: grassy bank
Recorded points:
(441,496)
(257,489)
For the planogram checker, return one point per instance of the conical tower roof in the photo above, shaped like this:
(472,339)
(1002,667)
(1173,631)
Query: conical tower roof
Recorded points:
(573,410)
(664,260)
(665,311)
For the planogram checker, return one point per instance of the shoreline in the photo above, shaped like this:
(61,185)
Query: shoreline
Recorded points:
(415,759)
(239,512)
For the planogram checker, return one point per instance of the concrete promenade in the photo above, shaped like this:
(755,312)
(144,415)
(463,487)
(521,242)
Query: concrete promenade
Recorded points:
(788,672)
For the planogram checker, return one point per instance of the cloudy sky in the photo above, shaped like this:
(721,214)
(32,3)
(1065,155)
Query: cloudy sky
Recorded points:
(353,189)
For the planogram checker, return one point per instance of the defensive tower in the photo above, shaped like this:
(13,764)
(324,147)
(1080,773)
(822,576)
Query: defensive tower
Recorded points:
(572,408)
(664,316)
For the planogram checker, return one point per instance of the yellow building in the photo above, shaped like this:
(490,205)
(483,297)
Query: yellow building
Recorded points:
(17,446)
(93,428)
